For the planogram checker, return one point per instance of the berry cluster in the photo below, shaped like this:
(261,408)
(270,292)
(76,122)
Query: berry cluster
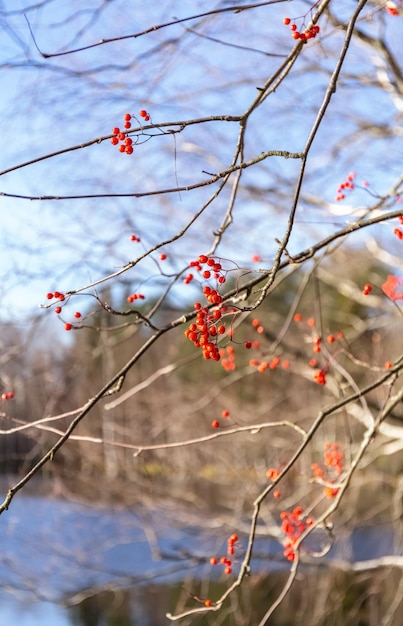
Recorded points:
(126,144)
(120,137)
(333,460)
(262,366)
(135,238)
(347,184)
(392,8)
(273,474)
(9,395)
(393,287)
(293,525)
(319,375)
(57,295)
(366,289)
(398,231)
(58,309)
(135,296)
(143,113)
(224,560)
(303,34)
(225,414)
(213,268)
(228,358)
(205,330)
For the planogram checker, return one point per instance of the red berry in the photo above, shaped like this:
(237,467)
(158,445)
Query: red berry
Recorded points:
(146,118)
(58,309)
(77,314)
(122,148)
(116,130)
(129,150)
(286,21)
(127,117)
(163,257)
(127,125)
(215,424)
(114,141)
(68,326)
(143,113)
(49,296)
(207,603)
(213,561)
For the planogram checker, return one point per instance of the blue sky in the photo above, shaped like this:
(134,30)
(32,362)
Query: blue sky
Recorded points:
(53,104)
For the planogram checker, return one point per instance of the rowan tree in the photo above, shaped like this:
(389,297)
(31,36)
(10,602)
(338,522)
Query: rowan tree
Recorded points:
(205,201)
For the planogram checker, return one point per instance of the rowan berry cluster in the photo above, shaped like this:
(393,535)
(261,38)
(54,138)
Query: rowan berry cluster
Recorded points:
(120,138)
(212,269)
(302,33)
(205,331)
(319,375)
(59,296)
(224,414)
(333,459)
(347,184)
(228,358)
(126,143)
(9,395)
(224,560)
(293,525)
(207,328)
(273,364)
(273,474)
(135,296)
(392,8)
(393,287)
(145,115)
